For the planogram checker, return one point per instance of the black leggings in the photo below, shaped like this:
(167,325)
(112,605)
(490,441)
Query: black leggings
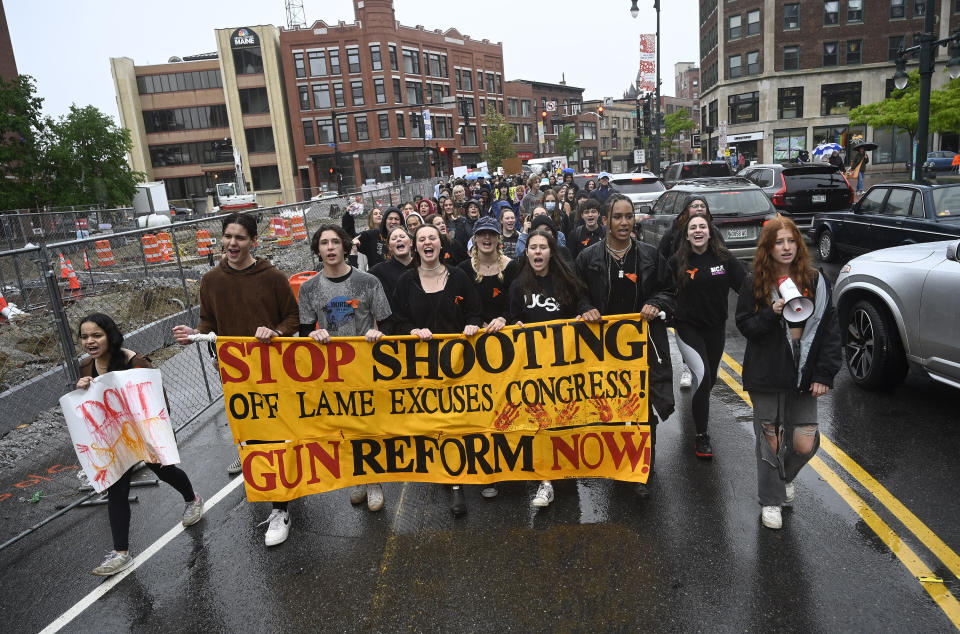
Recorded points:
(701,349)
(118,507)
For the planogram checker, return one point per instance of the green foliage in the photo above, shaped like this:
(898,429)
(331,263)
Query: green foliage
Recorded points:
(87,158)
(499,139)
(567,141)
(678,122)
(80,159)
(22,132)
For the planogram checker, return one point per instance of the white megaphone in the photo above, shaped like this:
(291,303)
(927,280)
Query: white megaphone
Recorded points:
(796,307)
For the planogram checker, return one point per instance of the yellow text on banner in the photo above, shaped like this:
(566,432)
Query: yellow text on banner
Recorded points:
(541,376)
(275,472)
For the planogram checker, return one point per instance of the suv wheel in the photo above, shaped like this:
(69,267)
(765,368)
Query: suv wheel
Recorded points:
(826,247)
(872,347)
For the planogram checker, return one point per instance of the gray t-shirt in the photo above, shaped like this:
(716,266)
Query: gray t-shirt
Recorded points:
(344,306)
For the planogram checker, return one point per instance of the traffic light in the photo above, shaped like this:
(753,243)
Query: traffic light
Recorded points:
(332,171)
(543,116)
(600,111)
(443,150)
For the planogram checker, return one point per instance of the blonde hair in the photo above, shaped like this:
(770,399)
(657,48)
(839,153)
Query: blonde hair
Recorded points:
(475,260)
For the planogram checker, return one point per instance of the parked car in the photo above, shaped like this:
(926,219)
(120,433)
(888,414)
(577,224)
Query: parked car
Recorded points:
(739,209)
(580,179)
(898,308)
(643,188)
(888,215)
(941,161)
(801,191)
(686,170)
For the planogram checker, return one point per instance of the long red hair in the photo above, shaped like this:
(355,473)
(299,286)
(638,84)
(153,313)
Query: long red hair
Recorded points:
(765,274)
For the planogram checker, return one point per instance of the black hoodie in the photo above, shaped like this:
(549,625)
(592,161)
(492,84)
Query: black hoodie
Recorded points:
(373,242)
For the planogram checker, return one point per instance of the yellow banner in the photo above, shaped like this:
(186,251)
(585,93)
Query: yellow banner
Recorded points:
(480,390)
(552,374)
(276,472)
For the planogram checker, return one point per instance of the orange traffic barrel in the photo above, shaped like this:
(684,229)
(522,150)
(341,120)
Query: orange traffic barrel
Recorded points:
(203,242)
(104,253)
(297,279)
(151,248)
(299,229)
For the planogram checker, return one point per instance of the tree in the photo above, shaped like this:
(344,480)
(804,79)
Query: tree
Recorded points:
(499,139)
(900,109)
(88,160)
(567,142)
(677,123)
(22,137)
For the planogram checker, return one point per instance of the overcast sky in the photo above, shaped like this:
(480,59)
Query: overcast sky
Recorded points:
(66,45)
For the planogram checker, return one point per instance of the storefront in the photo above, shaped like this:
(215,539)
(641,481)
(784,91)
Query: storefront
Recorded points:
(749,144)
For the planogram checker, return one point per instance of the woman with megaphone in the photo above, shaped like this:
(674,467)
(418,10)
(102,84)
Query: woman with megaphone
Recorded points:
(706,271)
(793,352)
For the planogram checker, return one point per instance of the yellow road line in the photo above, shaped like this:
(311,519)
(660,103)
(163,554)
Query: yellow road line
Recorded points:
(934,587)
(937,590)
(929,539)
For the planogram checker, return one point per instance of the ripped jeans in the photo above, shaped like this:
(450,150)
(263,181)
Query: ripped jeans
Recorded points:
(790,418)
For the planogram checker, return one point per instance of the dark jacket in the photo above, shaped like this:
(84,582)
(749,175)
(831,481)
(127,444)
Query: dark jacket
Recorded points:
(658,288)
(601,194)
(768,364)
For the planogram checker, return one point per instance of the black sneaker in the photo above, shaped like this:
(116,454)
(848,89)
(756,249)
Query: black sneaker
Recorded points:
(701,445)
(458,505)
(642,490)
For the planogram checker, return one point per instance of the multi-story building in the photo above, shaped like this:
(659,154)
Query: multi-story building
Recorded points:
(528,100)
(680,147)
(8,64)
(359,96)
(616,131)
(186,117)
(782,76)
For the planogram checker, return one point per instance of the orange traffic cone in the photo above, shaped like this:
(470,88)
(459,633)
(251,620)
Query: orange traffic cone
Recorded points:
(64,271)
(86,262)
(4,311)
(74,282)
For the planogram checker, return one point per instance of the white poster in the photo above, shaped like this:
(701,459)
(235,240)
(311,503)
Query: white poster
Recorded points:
(118,421)
(461,171)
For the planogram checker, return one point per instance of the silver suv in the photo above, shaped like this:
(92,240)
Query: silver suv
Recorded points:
(898,307)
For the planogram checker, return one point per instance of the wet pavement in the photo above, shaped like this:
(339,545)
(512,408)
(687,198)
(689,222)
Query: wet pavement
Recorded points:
(692,557)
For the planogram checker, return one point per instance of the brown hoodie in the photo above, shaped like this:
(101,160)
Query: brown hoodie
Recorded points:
(235,303)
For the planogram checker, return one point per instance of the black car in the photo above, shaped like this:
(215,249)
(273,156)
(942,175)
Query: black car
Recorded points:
(739,209)
(686,170)
(889,215)
(802,190)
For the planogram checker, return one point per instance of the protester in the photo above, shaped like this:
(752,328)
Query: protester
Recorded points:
(543,222)
(343,302)
(590,186)
(706,272)
(786,365)
(435,298)
(373,219)
(590,231)
(569,182)
(472,213)
(508,232)
(414,220)
(102,340)
(569,207)
(624,276)
(836,160)
(546,289)
(246,297)
(602,193)
(453,252)
(425,207)
(532,197)
(373,242)
(399,260)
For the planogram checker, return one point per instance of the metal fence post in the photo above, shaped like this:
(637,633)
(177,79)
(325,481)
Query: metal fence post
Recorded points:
(65,339)
(189,305)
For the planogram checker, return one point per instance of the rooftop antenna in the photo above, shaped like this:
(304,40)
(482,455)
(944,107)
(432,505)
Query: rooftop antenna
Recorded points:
(295,15)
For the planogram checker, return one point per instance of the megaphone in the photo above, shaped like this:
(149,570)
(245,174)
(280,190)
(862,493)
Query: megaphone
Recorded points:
(796,307)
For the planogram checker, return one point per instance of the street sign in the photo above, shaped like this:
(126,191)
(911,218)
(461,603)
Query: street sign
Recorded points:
(551,106)
(384,169)
(639,157)
(427,126)
(695,140)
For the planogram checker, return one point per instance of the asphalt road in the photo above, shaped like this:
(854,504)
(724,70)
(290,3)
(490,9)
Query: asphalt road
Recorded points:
(875,516)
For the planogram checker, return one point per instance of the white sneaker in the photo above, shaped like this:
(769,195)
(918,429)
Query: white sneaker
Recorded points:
(374,497)
(235,467)
(544,495)
(686,379)
(358,494)
(278,529)
(791,492)
(770,515)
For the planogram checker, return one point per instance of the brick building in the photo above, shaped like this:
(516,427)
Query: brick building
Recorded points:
(358,93)
(187,116)
(527,100)
(615,134)
(784,75)
(8,64)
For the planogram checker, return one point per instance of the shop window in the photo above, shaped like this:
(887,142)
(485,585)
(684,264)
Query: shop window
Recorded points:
(743,108)
(839,98)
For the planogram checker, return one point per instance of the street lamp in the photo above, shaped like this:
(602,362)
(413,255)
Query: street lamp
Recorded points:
(635,11)
(926,51)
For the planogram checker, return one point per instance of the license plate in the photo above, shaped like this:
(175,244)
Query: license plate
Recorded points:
(819,198)
(733,234)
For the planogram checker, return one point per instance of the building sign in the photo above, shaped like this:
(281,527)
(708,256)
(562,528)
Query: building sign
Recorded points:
(750,136)
(648,63)
(525,156)
(244,38)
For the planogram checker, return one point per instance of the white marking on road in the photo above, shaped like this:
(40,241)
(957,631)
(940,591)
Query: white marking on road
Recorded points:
(140,559)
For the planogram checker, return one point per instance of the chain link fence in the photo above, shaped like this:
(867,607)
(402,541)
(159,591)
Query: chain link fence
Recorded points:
(148,280)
